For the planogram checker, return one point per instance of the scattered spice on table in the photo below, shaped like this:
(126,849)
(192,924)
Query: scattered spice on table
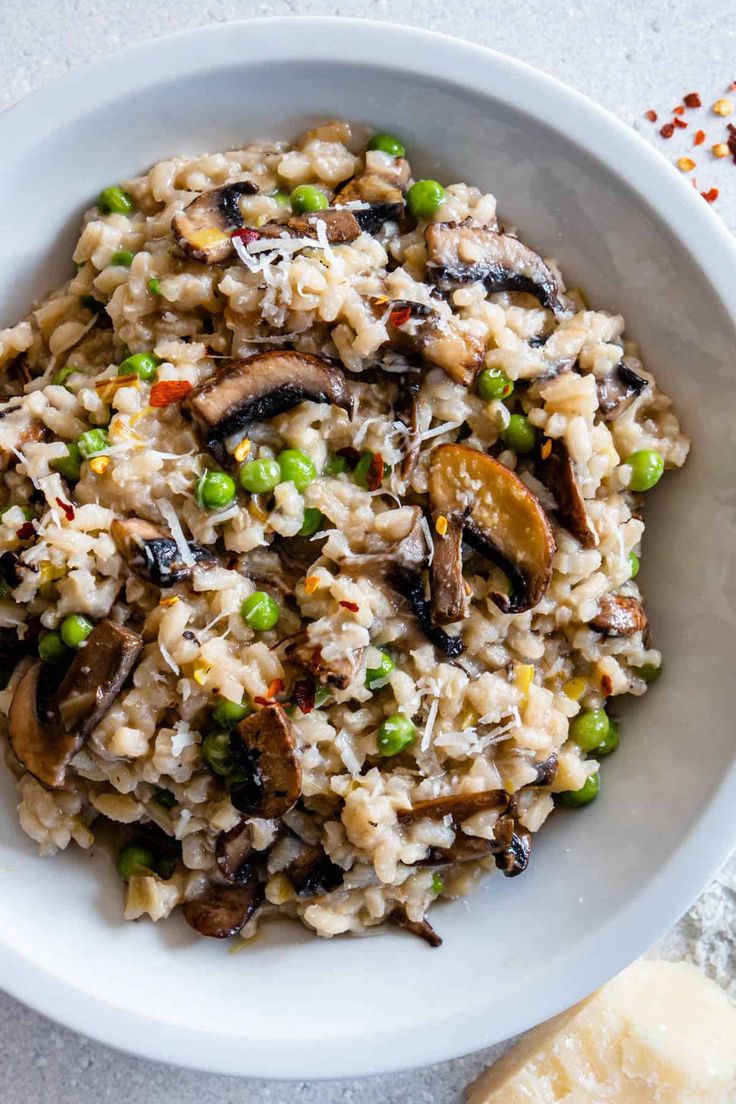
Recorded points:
(699,138)
(692,100)
(667,130)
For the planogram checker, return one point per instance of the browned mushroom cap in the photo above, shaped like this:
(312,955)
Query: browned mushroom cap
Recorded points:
(264,747)
(461,253)
(336,673)
(340,226)
(422,928)
(382,188)
(46,739)
(501,519)
(437,339)
(201,230)
(153,556)
(557,471)
(619,615)
(618,389)
(222,911)
(458,806)
(260,387)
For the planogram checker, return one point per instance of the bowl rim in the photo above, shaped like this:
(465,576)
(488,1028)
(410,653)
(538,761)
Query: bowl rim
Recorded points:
(672,201)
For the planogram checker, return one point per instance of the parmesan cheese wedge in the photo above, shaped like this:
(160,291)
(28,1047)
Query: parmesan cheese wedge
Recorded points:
(659,1033)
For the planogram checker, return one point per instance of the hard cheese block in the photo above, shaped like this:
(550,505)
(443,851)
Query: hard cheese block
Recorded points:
(659,1033)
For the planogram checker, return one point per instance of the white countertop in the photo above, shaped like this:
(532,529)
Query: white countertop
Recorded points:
(629,57)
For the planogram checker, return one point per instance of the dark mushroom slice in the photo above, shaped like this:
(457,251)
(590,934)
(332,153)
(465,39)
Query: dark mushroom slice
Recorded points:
(457,806)
(546,770)
(437,339)
(340,225)
(234,853)
(46,737)
(264,747)
(382,189)
(618,389)
(410,552)
(422,928)
(512,847)
(223,911)
(556,470)
(202,229)
(153,556)
(619,615)
(501,519)
(313,872)
(410,586)
(406,409)
(334,673)
(466,252)
(464,849)
(259,388)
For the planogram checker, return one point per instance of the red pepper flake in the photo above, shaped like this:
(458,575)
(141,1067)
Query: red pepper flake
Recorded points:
(304,695)
(262,701)
(374,475)
(168,391)
(731,140)
(606,686)
(699,138)
(352,606)
(246,235)
(680,123)
(26,531)
(710,196)
(732,86)
(400,317)
(679,110)
(651,115)
(667,130)
(67,508)
(692,100)
(350,454)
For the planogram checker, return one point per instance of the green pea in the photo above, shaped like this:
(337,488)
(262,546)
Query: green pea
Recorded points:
(307,198)
(260,476)
(217,753)
(114,200)
(164,798)
(360,474)
(438,884)
(376,677)
(297,468)
(91,303)
(229,713)
(321,695)
(386,143)
(633,565)
(214,490)
(395,734)
(312,523)
(610,742)
(335,465)
(51,648)
(519,435)
(91,442)
(75,629)
(494,384)
(646,469)
(424,198)
(260,611)
(648,671)
(281,197)
(123,258)
(70,465)
(143,365)
(154,285)
(575,799)
(589,729)
(135,859)
(63,374)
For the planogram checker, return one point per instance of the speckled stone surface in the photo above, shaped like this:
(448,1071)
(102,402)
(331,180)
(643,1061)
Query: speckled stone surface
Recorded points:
(626,55)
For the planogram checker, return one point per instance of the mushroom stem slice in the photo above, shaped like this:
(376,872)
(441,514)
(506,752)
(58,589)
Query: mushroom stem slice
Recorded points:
(422,928)
(557,471)
(222,911)
(202,229)
(152,555)
(334,673)
(409,585)
(512,847)
(234,853)
(340,224)
(382,189)
(437,339)
(449,596)
(618,389)
(619,615)
(260,387)
(466,252)
(501,519)
(457,806)
(264,746)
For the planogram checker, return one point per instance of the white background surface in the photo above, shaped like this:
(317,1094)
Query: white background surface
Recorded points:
(628,56)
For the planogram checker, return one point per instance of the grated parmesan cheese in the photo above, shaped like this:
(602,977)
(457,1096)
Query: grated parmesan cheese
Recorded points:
(170,516)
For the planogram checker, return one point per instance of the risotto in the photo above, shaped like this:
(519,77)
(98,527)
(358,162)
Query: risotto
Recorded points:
(322,515)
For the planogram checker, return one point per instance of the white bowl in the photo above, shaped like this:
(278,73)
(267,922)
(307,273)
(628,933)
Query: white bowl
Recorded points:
(604,882)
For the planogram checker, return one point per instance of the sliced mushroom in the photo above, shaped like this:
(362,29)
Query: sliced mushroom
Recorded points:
(340,225)
(618,389)
(512,847)
(437,339)
(410,551)
(557,471)
(260,387)
(409,585)
(457,806)
(619,615)
(336,673)
(501,519)
(264,747)
(464,849)
(45,738)
(382,188)
(234,853)
(313,872)
(153,556)
(406,409)
(422,928)
(202,229)
(466,252)
(546,770)
(222,911)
